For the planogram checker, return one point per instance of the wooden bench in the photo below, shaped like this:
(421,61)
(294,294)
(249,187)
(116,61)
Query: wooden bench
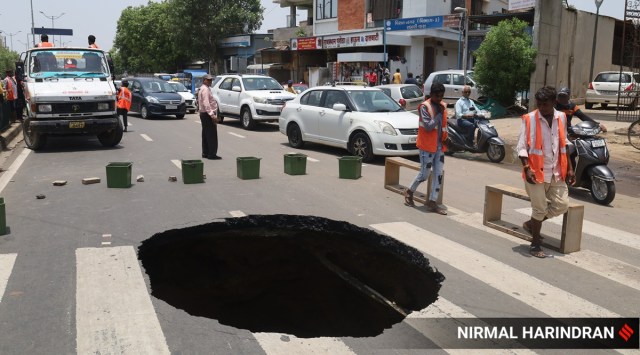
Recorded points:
(392,178)
(571,222)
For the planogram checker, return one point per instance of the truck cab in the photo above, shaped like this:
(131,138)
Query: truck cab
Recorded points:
(68,91)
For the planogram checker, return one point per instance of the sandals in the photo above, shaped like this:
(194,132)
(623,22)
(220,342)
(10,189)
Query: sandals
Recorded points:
(432,206)
(408,198)
(536,250)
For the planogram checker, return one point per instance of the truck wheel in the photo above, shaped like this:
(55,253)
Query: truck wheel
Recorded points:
(248,122)
(33,140)
(111,138)
(144,112)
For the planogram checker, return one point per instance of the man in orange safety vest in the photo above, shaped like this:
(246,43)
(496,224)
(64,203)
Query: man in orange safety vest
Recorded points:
(124,102)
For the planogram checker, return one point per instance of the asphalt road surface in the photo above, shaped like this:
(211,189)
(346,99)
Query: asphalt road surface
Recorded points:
(70,280)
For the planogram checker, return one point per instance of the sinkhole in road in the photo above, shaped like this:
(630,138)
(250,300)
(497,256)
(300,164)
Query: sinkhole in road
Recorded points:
(301,275)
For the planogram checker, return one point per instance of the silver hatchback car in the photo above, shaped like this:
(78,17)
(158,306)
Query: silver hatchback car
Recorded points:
(606,86)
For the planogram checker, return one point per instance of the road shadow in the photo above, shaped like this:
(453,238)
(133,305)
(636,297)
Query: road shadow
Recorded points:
(63,144)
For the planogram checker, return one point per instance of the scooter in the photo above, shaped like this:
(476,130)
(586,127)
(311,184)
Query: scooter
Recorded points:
(487,138)
(589,155)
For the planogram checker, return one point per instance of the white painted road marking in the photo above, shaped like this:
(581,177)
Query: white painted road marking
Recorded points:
(236,134)
(597,230)
(114,313)
(146,138)
(554,302)
(8,174)
(237,213)
(284,344)
(177,163)
(6,266)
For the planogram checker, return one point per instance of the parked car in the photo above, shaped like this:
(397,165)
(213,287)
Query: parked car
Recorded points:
(363,120)
(189,98)
(251,98)
(606,86)
(153,97)
(409,96)
(299,88)
(453,81)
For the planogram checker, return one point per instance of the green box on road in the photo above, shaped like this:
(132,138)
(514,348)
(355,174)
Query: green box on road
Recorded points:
(192,171)
(119,175)
(350,167)
(248,167)
(295,164)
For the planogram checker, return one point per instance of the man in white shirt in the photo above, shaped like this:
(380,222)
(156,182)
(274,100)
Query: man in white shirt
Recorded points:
(542,148)
(465,111)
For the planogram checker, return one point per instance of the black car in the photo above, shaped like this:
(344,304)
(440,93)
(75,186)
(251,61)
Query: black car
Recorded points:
(153,97)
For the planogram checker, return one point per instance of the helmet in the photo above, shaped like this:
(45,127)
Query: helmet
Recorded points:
(564,91)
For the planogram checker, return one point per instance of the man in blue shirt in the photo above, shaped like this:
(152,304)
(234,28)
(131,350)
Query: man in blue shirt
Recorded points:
(465,110)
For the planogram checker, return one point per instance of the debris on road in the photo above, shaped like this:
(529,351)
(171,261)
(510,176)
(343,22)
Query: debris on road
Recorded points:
(173,178)
(140,178)
(92,180)
(40,196)
(59,182)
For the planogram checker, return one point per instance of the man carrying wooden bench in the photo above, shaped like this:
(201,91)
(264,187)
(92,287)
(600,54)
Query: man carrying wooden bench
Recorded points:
(542,148)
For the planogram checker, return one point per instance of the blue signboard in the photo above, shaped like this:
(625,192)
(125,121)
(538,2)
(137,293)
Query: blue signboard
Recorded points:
(414,23)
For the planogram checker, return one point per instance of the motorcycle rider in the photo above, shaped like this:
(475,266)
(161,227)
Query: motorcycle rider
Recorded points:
(465,113)
(570,109)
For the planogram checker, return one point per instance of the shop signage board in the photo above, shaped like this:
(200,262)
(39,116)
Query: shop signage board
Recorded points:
(414,23)
(236,41)
(306,43)
(363,39)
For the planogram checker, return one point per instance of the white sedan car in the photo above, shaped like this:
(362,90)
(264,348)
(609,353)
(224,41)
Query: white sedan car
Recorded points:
(189,98)
(363,120)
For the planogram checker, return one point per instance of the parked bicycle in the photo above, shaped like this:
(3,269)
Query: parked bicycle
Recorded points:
(634,134)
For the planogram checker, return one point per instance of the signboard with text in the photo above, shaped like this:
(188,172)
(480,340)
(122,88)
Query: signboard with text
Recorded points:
(521,4)
(306,43)
(414,23)
(353,40)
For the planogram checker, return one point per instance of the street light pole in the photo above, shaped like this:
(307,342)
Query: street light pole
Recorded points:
(465,15)
(595,33)
(11,37)
(52,24)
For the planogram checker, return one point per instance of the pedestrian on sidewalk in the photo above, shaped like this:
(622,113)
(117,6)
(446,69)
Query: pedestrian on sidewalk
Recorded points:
(546,168)
(208,108)
(432,134)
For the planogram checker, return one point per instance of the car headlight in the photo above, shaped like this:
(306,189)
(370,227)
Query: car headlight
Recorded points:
(103,106)
(44,108)
(152,99)
(260,100)
(386,128)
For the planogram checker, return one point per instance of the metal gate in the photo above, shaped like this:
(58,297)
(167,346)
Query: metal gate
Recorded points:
(629,94)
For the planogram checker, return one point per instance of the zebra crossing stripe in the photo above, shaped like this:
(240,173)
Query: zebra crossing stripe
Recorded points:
(509,280)
(281,344)
(6,266)
(114,313)
(597,230)
(607,267)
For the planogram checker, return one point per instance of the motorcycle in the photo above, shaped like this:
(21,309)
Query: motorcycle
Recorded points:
(589,155)
(487,137)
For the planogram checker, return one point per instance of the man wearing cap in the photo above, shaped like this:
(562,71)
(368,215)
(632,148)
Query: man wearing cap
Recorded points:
(208,108)
(571,109)
(290,87)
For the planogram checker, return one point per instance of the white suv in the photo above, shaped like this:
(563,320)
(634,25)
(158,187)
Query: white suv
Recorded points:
(251,98)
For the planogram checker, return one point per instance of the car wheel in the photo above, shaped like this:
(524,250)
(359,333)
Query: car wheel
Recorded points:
(604,106)
(180,116)
(248,122)
(111,138)
(360,145)
(144,112)
(295,136)
(33,140)
(588,105)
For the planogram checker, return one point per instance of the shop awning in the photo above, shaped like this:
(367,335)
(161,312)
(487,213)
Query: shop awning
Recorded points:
(360,57)
(265,66)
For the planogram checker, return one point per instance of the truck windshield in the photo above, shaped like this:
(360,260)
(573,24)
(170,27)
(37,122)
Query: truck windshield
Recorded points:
(66,63)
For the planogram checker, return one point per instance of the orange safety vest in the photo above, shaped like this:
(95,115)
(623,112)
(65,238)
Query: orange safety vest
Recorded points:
(45,44)
(10,84)
(428,140)
(534,144)
(124,98)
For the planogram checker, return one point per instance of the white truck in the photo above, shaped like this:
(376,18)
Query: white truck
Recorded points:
(68,91)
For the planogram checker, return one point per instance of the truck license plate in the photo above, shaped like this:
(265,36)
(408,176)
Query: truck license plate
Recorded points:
(76,124)
(171,107)
(597,143)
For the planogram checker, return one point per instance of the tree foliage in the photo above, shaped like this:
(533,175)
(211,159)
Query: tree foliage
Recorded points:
(146,39)
(205,22)
(160,36)
(8,60)
(505,61)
